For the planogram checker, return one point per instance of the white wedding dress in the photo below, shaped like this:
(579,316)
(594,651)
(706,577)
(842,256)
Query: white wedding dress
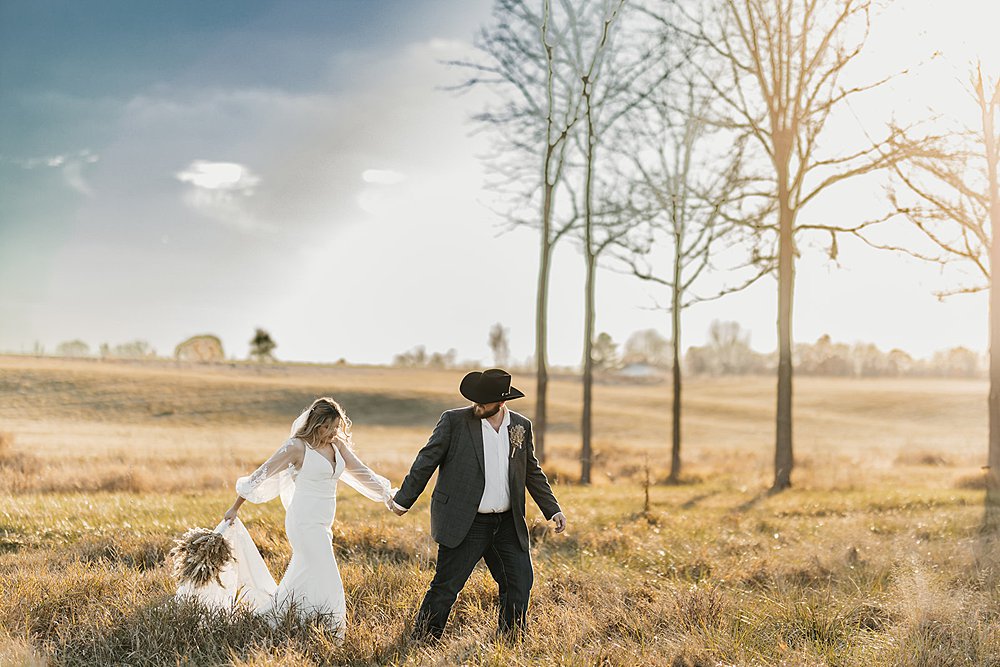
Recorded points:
(309,493)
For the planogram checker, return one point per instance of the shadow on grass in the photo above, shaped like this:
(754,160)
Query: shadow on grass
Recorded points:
(692,502)
(752,502)
(179,401)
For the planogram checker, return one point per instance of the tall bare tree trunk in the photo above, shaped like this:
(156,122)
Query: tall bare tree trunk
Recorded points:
(992,517)
(783,458)
(675,337)
(542,298)
(586,452)
(542,319)
(589,307)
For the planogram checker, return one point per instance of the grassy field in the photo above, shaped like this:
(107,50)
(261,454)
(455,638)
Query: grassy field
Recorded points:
(874,558)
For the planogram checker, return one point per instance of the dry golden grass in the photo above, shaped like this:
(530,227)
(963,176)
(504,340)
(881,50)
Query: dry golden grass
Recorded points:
(874,558)
(110,426)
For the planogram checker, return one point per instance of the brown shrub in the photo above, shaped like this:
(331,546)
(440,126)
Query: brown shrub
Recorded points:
(701,607)
(17,469)
(921,457)
(973,482)
(133,480)
(141,554)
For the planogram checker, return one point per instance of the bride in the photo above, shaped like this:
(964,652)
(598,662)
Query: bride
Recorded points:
(304,472)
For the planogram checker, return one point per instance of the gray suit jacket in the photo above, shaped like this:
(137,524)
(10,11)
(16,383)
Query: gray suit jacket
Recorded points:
(456,449)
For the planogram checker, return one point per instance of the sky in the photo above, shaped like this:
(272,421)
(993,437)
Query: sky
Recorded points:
(178,168)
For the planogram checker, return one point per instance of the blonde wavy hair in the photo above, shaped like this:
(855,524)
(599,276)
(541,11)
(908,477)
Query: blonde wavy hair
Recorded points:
(323,410)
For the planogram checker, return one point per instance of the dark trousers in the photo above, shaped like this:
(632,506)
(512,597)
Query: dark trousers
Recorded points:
(491,538)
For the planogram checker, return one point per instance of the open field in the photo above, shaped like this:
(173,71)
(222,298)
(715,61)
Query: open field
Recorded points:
(874,558)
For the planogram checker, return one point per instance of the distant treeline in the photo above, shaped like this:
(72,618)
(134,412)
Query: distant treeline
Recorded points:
(647,354)
(830,358)
(135,349)
(728,352)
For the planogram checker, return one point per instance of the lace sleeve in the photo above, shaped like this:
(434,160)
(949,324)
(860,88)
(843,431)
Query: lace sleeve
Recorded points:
(275,476)
(364,480)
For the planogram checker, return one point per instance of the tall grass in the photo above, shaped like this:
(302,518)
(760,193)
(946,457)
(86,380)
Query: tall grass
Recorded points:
(868,581)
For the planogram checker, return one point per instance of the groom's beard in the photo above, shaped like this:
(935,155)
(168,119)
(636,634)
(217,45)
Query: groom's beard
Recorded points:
(483,414)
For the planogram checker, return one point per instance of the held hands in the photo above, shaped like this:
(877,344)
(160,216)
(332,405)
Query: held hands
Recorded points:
(560,520)
(398,510)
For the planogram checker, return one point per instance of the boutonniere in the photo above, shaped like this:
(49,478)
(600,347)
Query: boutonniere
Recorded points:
(516,433)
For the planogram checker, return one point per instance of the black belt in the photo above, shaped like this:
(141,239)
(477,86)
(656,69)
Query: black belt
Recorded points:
(484,514)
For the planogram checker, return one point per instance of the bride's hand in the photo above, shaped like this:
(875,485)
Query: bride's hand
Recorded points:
(230,515)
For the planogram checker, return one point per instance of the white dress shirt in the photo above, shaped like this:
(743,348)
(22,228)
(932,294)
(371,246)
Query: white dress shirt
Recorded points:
(496,457)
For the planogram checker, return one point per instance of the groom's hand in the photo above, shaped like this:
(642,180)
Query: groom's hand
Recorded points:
(397,509)
(560,520)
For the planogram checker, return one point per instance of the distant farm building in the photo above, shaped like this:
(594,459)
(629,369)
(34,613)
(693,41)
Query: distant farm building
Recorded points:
(202,349)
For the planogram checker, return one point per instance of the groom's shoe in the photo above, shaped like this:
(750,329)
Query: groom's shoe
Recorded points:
(424,634)
(511,636)
(425,638)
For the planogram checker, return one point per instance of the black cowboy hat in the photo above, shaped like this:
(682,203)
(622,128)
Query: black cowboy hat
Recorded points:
(491,386)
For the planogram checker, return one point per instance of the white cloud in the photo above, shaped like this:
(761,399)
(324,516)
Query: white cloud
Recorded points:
(47,161)
(382,176)
(70,164)
(228,176)
(62,159)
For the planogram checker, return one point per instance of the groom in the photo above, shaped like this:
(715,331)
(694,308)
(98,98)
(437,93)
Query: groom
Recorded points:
(486,460)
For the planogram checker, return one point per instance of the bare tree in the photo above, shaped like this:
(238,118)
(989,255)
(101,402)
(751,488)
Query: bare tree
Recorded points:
(500,345)
(630,61)
(443,359)
(603,105)
(688,172)
(415,357)
(727,352)
(647,347)
(950,193)
(731,345)
(73,348)
(530,58)
(783,62)
(133,349)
